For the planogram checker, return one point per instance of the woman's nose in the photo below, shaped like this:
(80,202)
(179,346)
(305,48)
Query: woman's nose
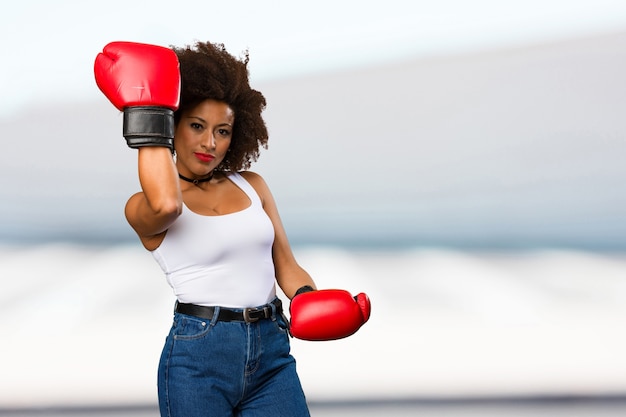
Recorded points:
(209,140)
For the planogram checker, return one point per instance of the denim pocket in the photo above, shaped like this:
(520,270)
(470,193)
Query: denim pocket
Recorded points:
(282,323)
(189,327)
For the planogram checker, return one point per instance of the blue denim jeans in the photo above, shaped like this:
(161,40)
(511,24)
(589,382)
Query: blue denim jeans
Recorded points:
(226,369)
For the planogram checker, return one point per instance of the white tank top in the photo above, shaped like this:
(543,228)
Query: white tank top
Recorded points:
(221,260)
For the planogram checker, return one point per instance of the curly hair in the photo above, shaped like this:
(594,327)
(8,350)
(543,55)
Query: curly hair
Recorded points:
(208,71)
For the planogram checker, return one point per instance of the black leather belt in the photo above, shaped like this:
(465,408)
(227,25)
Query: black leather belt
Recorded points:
(248,315)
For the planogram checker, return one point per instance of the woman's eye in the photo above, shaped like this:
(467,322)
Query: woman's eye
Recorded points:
(196,126)
(224,132)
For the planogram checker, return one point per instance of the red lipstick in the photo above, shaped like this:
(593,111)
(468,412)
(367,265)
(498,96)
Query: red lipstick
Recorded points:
(204,157)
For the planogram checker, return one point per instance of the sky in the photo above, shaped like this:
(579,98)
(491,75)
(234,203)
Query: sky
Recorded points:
(49,47)
(50,99)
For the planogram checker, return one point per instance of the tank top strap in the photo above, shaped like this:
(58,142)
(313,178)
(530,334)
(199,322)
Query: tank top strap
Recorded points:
(245,186)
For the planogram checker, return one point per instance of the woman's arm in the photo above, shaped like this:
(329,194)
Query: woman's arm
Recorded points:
(289,274)
(151,211)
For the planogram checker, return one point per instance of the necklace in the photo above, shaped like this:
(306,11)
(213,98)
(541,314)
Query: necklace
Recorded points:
(197,181)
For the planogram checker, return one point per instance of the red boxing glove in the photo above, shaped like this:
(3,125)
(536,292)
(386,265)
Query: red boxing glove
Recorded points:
(328,314)
(143,81)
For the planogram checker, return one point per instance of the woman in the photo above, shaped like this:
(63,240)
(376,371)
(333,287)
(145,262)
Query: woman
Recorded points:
(218,238)
(214,229)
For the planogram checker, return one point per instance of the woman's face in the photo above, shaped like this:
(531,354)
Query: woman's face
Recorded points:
(202,137)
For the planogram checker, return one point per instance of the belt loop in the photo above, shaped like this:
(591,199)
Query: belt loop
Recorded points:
(272,307)
(284,317)
(216,316)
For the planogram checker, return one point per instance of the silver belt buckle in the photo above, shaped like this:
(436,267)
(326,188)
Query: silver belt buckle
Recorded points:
(246,315)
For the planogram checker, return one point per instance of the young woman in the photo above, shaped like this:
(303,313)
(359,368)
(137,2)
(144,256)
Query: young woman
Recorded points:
(214,229)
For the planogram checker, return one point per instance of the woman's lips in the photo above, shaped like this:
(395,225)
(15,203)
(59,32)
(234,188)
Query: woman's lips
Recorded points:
(204,157)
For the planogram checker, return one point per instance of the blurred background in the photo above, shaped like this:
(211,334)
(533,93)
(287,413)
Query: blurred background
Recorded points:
(461,162)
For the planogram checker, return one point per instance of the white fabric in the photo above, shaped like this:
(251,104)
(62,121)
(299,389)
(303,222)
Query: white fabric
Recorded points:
(221,260)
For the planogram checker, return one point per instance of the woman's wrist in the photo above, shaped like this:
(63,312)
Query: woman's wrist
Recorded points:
(303,289)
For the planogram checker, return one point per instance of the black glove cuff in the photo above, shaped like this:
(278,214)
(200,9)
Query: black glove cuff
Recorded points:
(301,290)
(149,126)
